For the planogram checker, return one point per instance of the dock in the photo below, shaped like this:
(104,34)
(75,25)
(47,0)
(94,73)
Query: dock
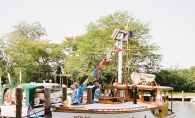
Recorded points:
(185,98)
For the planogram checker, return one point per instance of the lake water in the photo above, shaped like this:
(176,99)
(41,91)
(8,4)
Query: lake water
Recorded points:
(184,109)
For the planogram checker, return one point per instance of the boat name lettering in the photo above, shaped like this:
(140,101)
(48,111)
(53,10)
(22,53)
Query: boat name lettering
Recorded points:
(81,116)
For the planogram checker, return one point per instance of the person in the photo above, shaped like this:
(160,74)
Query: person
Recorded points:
(152,96)
(7,97)
(93,90)
(74,95)
(37,99)
(97,94)
(79,92)
(23,97)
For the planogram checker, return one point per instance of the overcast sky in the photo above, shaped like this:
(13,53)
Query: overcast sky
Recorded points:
(172,22)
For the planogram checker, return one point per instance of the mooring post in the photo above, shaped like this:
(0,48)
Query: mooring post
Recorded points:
(134,87)
(182,96)
(47,106)
(89,95)
(19,96)
(64,93)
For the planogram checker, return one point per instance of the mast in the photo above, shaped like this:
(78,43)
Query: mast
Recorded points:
(127,68)
(120,62)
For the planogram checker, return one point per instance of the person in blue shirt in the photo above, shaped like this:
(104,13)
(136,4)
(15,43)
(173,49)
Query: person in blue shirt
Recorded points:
(79,92)
(93,89)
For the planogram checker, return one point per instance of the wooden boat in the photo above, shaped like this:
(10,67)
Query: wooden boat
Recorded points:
(143,99)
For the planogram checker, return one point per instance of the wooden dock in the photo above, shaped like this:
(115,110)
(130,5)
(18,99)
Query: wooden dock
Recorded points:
(185,98)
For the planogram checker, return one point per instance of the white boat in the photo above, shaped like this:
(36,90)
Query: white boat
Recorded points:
(143,99)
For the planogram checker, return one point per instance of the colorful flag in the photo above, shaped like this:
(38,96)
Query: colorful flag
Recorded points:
(100,65)
(66,103)
(116,44)
(122,37)
(29,110)
(131,34)
(95,73)
(84,85)
(106,62)
(118,48)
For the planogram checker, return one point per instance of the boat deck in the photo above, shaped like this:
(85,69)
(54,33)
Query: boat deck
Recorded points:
(109,107)
(118,106)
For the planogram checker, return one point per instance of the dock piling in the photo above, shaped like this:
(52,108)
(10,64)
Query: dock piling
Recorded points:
(19,96)
(47,106)
(64,93)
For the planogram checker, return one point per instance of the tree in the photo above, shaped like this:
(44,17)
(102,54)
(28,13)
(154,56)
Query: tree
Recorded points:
(37,59)
(30,31)
(3,63)
(189,75)
(172,77)
(86,51)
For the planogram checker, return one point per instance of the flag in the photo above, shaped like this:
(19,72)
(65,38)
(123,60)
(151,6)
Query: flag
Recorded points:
(116,44)
(122,37)
(108,56)
(29,110)
(100,65)
(131,34)
(106,62)
(147,61)
(8,76)
(84,85)
(118,48)
(95,73)
(66,103)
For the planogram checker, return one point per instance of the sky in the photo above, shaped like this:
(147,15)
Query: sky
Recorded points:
(172,22)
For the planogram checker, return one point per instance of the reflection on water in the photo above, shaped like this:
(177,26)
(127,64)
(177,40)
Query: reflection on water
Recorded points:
(184,109)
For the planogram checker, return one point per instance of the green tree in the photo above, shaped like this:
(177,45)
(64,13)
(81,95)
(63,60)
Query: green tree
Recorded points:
(30,31)
(189,75)
(172,77)
(86,51)
(3,63)
(37,59)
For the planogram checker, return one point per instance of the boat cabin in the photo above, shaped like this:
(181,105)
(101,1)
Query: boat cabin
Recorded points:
(144,90)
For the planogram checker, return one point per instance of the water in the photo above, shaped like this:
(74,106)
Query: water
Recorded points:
(184,109)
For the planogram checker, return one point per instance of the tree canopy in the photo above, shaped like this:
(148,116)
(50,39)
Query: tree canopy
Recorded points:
(87,51)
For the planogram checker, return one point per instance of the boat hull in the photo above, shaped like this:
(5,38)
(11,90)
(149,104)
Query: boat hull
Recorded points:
(141,114)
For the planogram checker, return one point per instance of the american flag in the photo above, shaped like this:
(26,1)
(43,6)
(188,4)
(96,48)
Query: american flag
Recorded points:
(29,110)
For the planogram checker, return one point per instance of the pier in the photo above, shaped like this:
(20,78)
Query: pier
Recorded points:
(185,98)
